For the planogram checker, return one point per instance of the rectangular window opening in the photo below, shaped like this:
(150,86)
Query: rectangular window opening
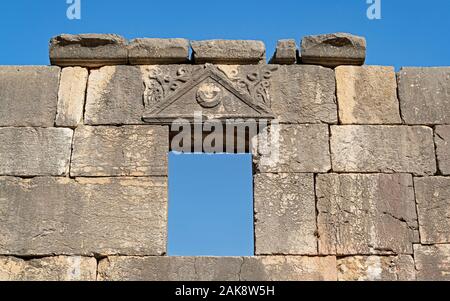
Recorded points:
(210,205)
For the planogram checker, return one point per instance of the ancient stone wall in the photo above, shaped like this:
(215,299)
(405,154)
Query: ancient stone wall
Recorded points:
(360,190)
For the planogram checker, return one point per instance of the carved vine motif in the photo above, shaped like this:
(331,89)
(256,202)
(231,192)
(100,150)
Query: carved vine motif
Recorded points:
(158,86)
(256,84)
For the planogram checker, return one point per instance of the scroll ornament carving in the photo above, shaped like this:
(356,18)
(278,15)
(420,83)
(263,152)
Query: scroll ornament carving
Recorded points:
(256,84)
(158,86)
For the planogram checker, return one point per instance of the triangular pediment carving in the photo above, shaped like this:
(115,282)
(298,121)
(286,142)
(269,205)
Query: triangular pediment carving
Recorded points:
(207,90)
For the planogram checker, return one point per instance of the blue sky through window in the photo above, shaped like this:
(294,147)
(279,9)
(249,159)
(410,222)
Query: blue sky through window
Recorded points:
(210,205)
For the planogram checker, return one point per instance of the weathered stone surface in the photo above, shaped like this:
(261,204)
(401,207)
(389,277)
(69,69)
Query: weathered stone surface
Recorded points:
(376,268)
(367,95)
(35,151)
(115,96)
(217,268)
(363,214)
(85,216)
(120,151)
(239,52)
(304,94)
(332,50)
(366,148)
(170,268)
(285,214)
(72,91)
(433,207)
(300,148)
(28,95)
(424,95)
(442,141)
(158,51)
(289,268)
(285,53)
(432,262)
(88,50)
(60,268)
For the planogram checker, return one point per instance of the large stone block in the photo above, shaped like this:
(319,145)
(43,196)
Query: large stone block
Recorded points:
(300,148)
(35,151)
(158,51)
(432,262)
(289,268)
(217,268)
(239,52)
(285,53)
(424,95)
(433,207)
(170,268)
(442,141)
(360,148)
(285,214)
(88,50)
(376,268)
(120,151)
(85,216)
(304,94)
(366,214)
(28,95)
(72,91)
(60,268)
(367,95)
(332,50)
(115,96)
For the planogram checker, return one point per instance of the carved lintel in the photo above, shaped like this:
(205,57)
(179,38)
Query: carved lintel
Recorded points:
(214,93)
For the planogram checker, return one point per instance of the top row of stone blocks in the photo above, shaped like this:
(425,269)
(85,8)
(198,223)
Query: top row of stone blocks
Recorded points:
(96,50)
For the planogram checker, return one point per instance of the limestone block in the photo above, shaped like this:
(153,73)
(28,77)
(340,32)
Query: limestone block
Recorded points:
(239,52)
(432,262)
(300,148)
(158,51)
(217,268)
(364,214)
(376,268)
(285,53)
(115,96)
(35,151)
(120,151)
(433,207)
(304,94)
(361,148)
(285,214)
(28,95)
(289,268)
(424,95)
(367,95)
(72,91)
(59,268)
(170,268)
(332,50)
(85,216)
(88,50)
(442,141)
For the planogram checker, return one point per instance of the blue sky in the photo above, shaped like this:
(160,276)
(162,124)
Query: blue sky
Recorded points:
(411,32)
(208,188)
